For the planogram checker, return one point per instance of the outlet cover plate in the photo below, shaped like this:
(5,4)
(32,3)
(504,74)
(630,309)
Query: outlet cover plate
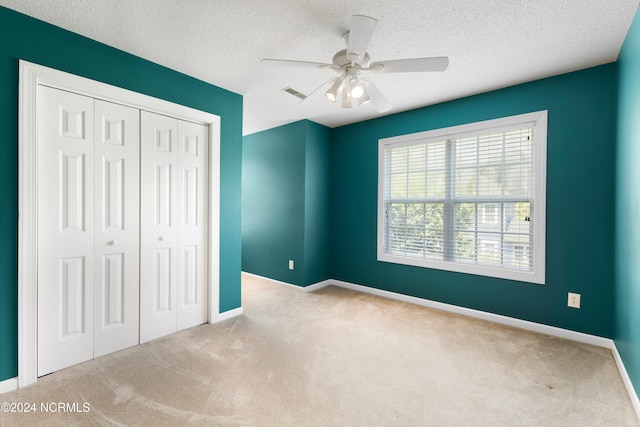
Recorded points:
(573,300)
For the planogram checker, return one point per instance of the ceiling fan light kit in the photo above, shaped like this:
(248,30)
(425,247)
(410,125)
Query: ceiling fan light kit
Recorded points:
(357,89)
(347,99)
(354,60)
(351,87)
(335,90)
(364,100)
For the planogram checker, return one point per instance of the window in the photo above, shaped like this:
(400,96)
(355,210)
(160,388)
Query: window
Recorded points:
(489,215)
(468,198)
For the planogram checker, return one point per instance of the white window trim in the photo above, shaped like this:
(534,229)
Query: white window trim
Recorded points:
(540,119)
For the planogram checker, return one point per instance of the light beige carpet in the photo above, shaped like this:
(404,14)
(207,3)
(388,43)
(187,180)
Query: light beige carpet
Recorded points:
(338,358)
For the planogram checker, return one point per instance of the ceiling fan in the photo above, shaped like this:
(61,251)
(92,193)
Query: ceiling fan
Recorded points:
(350,63)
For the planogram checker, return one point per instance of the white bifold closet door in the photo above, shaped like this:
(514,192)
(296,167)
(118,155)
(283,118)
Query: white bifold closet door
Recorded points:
(88,228)
(173,217)
(117,228)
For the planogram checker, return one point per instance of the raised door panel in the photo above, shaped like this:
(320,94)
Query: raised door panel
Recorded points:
(192,250)
(158,230)
(65,229)
(117,204)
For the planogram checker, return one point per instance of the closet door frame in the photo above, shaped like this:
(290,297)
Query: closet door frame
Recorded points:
(32,75)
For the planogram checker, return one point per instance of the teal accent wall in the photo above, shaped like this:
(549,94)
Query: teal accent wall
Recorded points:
(580,203)
(285,194)
(22,37)
(627,310)
(316,212)
(273,202)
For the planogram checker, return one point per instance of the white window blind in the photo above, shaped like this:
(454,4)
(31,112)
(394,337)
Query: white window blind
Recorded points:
(467,197)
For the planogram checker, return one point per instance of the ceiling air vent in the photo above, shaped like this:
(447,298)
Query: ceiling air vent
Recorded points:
(294,92)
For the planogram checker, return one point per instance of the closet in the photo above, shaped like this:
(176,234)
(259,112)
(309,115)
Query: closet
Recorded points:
(121,226)
(173,225)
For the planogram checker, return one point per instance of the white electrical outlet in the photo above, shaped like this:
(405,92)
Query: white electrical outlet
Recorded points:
(573,300)
(290,264)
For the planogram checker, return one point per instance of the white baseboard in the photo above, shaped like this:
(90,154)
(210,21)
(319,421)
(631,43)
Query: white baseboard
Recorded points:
(317,286)
(229,314)
(309,288)
(269,279)
(496,318)
(8,385)
(626,380)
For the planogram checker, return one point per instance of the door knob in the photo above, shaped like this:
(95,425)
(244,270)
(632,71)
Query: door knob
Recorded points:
(161,238)
(112,242)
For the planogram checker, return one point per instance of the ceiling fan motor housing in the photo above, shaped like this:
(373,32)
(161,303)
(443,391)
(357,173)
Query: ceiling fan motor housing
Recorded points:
(341,60)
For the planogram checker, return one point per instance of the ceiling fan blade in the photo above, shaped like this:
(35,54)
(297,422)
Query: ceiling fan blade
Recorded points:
(298,64)
(317,93)
(359,36)
(436,63)
(378,100)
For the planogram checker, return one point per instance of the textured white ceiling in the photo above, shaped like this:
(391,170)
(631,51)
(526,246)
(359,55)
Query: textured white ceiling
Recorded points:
(490,44)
